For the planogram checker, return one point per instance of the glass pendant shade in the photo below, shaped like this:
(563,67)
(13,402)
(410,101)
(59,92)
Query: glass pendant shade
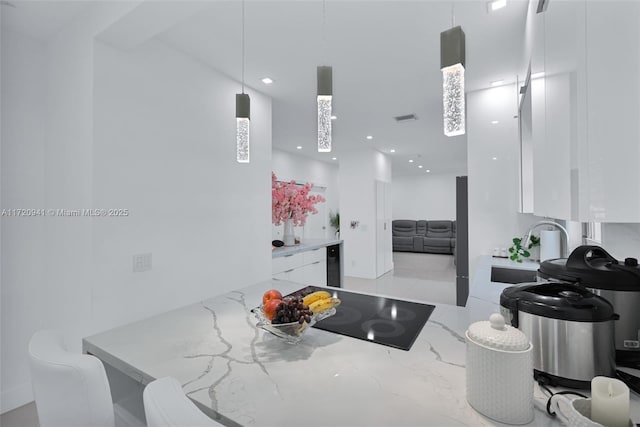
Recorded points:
(242,127)
(453,100)
(452,58)
(325,95)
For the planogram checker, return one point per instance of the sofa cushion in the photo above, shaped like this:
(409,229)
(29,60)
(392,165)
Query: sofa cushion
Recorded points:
(439,229)
(403,228)
(403,243)
(439,242)
(421,228)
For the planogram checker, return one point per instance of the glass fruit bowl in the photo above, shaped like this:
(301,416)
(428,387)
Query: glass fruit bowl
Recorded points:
(290,332)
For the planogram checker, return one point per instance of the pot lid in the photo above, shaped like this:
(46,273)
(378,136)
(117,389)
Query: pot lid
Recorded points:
(557,300)
(594,267)
(497,335)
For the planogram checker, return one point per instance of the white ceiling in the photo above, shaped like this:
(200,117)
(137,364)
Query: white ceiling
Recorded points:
(385,57)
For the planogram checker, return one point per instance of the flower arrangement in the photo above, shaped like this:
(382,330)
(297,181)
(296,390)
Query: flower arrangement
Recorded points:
(292,201)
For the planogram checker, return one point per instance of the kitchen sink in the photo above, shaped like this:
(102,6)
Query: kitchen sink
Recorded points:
(513,275)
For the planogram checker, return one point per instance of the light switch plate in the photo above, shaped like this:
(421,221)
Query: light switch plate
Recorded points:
(141,262)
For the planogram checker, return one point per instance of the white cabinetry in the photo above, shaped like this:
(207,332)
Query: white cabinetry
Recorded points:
(612,193)
(586,164)
(308,267)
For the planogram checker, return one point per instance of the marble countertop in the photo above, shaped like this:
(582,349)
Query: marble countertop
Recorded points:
(305,245)
(241,375)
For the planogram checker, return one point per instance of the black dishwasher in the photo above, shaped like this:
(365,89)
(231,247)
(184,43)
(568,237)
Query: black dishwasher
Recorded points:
(333,266)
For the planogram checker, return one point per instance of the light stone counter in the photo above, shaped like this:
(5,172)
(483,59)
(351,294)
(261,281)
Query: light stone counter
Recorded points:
(305,245)
(241,375)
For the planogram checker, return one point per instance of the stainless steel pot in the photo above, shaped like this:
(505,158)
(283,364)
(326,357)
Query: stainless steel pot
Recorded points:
(616,281)
(571,330)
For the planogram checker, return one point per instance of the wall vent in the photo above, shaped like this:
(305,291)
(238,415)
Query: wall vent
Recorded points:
(406,117)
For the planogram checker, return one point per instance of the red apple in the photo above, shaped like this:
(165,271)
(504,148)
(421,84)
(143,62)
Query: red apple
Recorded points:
(271,294)
(271,307)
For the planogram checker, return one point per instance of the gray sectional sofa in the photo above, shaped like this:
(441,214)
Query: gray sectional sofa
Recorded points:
(424,236)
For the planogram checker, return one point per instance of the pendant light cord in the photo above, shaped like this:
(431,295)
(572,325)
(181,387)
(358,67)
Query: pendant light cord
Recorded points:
(453,15)
(242,46)
(324,34)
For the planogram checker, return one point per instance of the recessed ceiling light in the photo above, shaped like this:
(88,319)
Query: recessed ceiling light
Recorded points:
(299,147)
(427,171)
(334,117)
(494,122)
(496,4)
(392,150)
(420,166)
(410,160)
(334,158)
(497,82)
(537,75)
(494,158)
(369,137)
(267,81)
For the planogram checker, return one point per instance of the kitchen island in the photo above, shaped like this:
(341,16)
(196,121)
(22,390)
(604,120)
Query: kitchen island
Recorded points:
(240,375)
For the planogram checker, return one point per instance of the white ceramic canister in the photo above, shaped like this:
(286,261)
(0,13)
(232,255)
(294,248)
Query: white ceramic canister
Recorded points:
(500,371)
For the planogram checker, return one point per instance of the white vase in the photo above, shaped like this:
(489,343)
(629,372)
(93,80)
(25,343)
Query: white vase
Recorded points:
(287,237)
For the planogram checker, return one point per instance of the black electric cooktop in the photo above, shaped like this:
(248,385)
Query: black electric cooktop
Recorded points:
(377,319)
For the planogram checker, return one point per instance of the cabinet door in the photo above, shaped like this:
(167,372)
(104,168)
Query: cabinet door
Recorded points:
(613,66)
(556,151)
(280,264)
(315,273)
(297,275)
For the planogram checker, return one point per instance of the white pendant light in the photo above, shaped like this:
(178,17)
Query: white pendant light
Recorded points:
(452,59)
(324,97)
(325,94)
(243,113)
(243,110)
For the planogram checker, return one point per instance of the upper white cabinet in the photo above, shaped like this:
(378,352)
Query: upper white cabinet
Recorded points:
(612,190)
(587,149)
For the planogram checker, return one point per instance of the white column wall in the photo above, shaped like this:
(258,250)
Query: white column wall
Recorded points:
(424,197)
(357,175)
(150,130)
(493,184)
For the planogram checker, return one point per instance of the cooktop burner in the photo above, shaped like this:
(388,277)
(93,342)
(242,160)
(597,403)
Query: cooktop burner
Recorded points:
(386,321)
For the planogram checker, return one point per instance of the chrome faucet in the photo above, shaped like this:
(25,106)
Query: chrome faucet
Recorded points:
(565,246)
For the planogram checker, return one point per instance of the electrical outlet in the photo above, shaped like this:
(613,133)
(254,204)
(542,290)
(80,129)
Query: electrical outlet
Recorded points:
(141,262)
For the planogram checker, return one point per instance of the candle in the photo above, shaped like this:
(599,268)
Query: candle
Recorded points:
(609,402)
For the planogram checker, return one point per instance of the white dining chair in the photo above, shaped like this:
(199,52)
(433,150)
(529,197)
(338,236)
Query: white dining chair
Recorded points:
(71,389)
(166,405)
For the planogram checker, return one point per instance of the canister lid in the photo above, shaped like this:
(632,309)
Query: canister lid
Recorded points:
(496,334)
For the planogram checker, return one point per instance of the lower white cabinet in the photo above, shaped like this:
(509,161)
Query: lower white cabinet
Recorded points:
(308,268)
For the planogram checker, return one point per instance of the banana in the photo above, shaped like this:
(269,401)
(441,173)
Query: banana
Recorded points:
(324,305)
(315,296)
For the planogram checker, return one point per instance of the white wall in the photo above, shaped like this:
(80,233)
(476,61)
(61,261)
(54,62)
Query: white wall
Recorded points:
(23,158)
(289,166)
(200,213)
(150,130)
(357,177)
(493,184)
(428,196)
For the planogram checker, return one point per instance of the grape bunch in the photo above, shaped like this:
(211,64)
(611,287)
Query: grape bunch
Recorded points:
(292,309)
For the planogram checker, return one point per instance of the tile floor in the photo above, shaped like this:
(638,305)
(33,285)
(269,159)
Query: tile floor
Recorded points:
(420,277)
